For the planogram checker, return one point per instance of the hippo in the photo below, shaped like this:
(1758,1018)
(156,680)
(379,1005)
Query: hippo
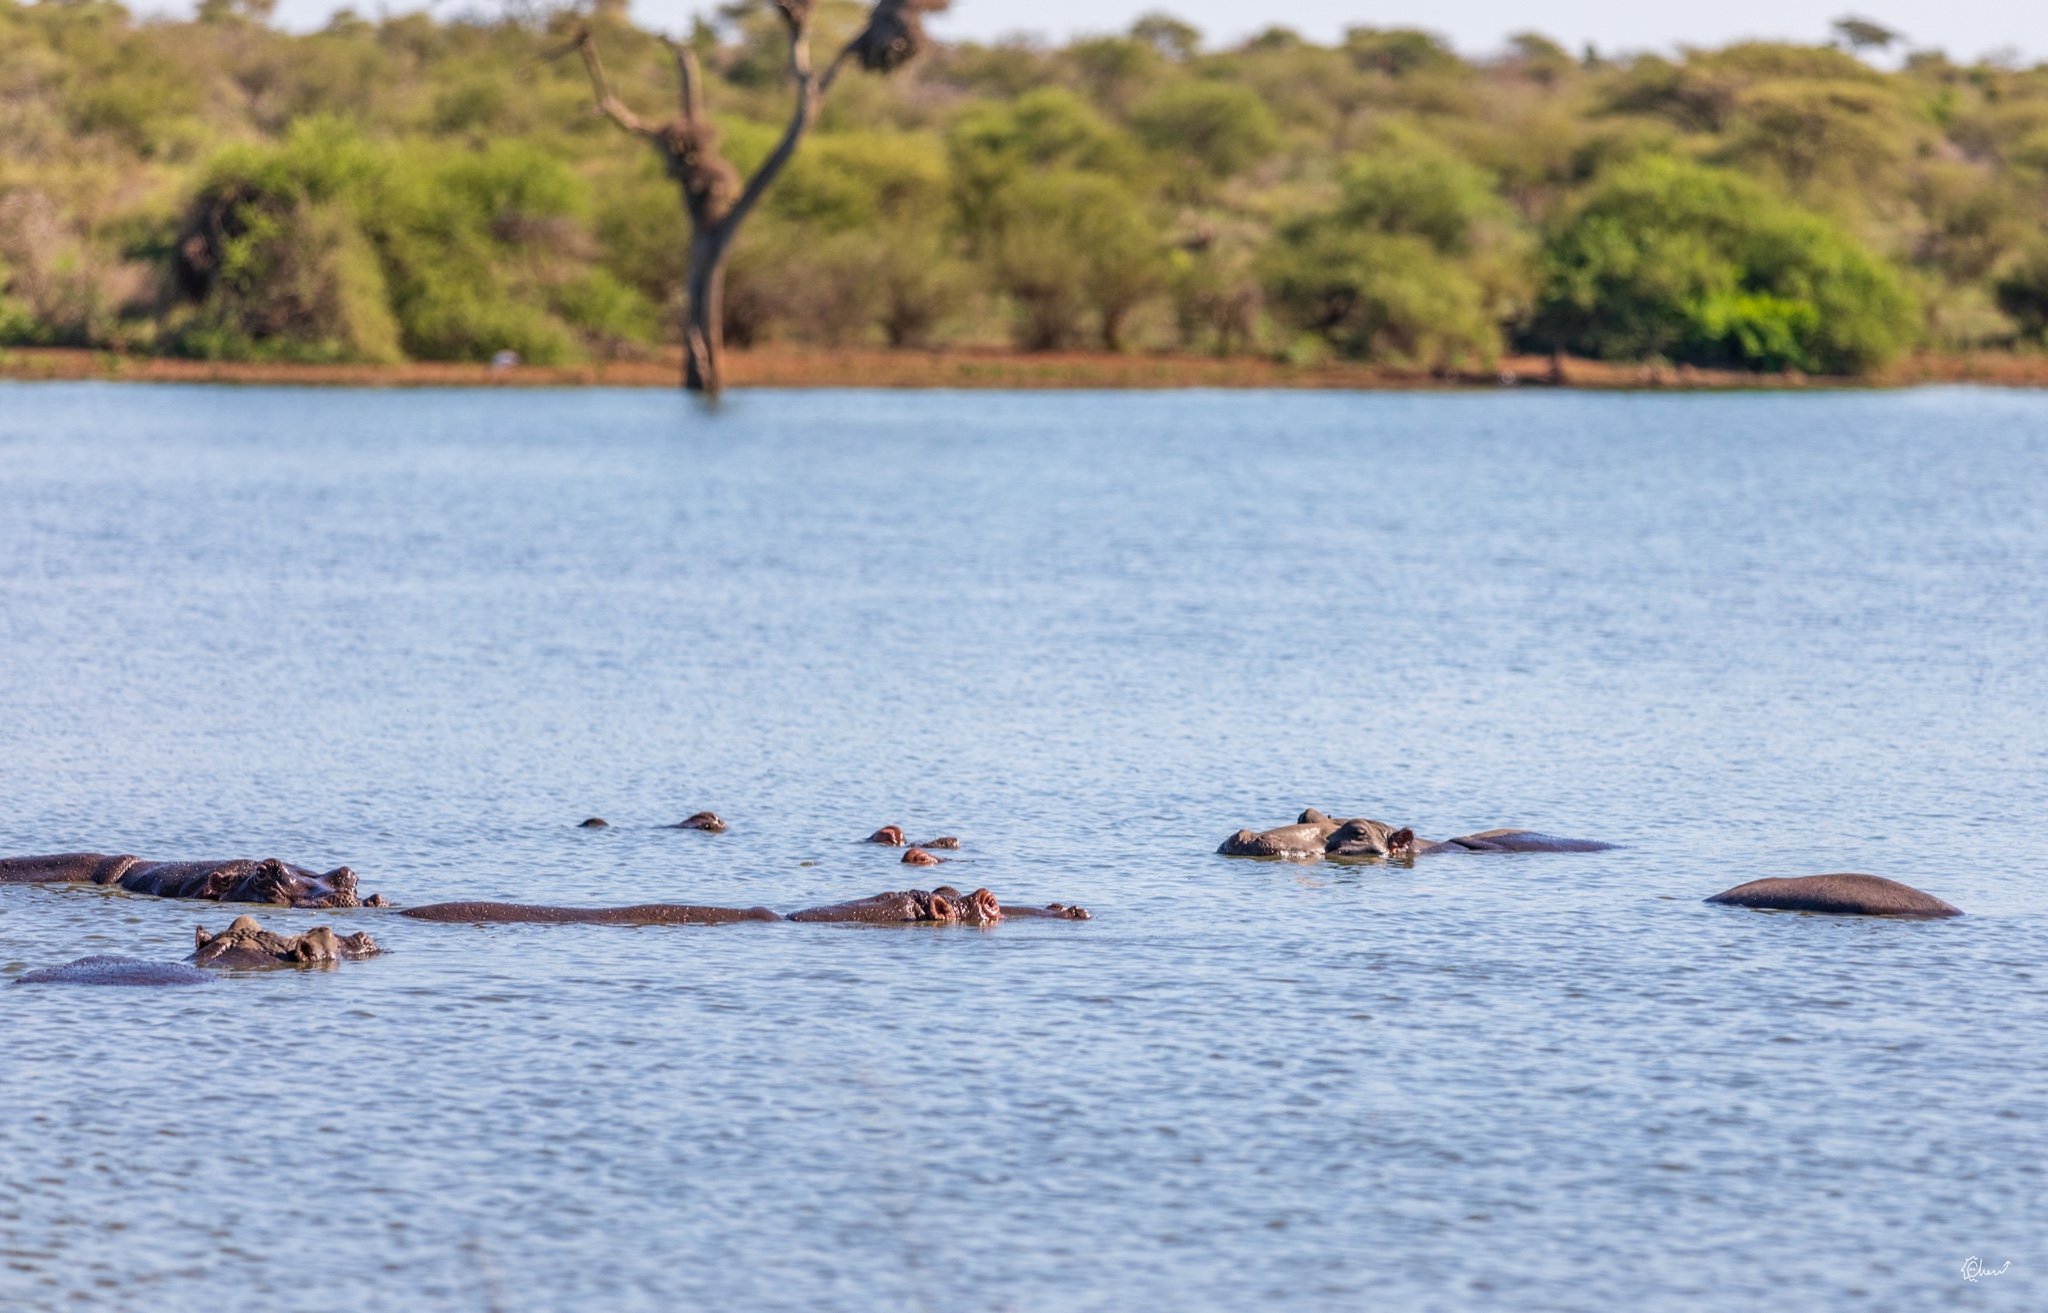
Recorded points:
(891,836)
(594,823)
(1318,835)
(106,969)
(919,857)
(246,944)
(643,914)
(1845,894)
(708,821)
(235,881)
(944,905)
(1512,841)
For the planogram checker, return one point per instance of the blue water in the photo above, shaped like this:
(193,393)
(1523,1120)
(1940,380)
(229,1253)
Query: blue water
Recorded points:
(425,633)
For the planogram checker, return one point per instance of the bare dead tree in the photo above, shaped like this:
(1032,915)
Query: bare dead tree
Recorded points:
(714,197)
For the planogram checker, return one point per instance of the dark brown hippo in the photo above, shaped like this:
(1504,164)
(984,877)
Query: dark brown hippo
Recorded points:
(944,905)
(1318,835)
(919,857)
(246,944)
(1304,838)
(891,836)
(103,969)
(594,823)
(1512,841)
(644,914)
(709,821)
(1845,894)
(236,881)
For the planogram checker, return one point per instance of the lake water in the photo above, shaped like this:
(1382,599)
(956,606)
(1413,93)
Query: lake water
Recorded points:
(425,633)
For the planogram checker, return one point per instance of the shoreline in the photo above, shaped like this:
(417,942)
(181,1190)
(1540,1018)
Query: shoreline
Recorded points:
(807,367)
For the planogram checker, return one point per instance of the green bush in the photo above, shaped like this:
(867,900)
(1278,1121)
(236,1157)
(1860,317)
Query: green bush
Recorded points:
(332,247)
(1699,265)
(1221,128)
(1407,267)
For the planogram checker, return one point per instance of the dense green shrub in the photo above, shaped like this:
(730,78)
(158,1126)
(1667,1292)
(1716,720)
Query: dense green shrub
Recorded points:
(1220,128)
(1699,265)
(1415,263)
(332,247)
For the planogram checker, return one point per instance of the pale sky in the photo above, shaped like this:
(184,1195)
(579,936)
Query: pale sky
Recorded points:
(1964,28)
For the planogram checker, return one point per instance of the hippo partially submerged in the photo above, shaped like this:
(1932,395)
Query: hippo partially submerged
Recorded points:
(234,881)
(1844,894)
(642,914)
(246,944)
(106,969)
(891,836)
(1318,835)
(942,906)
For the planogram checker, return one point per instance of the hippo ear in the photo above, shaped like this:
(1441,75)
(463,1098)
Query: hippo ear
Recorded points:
(200,938)
(1313,817)
(1400,839)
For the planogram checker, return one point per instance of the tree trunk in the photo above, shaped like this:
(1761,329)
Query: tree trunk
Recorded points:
(712,194)
(704,317)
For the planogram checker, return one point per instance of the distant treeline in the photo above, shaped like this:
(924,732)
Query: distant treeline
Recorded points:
(443,191)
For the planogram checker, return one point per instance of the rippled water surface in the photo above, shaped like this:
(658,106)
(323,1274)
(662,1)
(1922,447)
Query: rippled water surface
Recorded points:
(425,633)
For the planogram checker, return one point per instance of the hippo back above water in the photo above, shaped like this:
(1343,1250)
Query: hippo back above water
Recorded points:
(1513,841)
(106,969)
(1842,894)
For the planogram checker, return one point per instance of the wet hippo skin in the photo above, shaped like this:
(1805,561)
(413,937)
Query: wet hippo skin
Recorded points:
(643,914)
(891,836)
(942,906)
(1302,839)
(1844,894)
(233,881)
(1512,841)
(246,944)
(1316,834)
(709,821)
(102,969)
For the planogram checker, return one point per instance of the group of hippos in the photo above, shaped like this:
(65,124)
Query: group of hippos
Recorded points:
(246,944)
(1317,835)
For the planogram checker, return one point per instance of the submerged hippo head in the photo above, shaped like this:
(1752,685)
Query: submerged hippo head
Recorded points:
(246,944)
(1364,838)
(942,906)
(709,821)
(919,857)
(594,823)
(1304,838)
(240,881)
(889,836)
(953,907)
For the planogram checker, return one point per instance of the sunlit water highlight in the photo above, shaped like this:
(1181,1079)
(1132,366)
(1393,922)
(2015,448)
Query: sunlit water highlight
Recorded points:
(424,633)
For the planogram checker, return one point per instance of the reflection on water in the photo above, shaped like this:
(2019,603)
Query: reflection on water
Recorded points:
(425,634)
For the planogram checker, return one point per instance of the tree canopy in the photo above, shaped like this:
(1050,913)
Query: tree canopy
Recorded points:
(427,189)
